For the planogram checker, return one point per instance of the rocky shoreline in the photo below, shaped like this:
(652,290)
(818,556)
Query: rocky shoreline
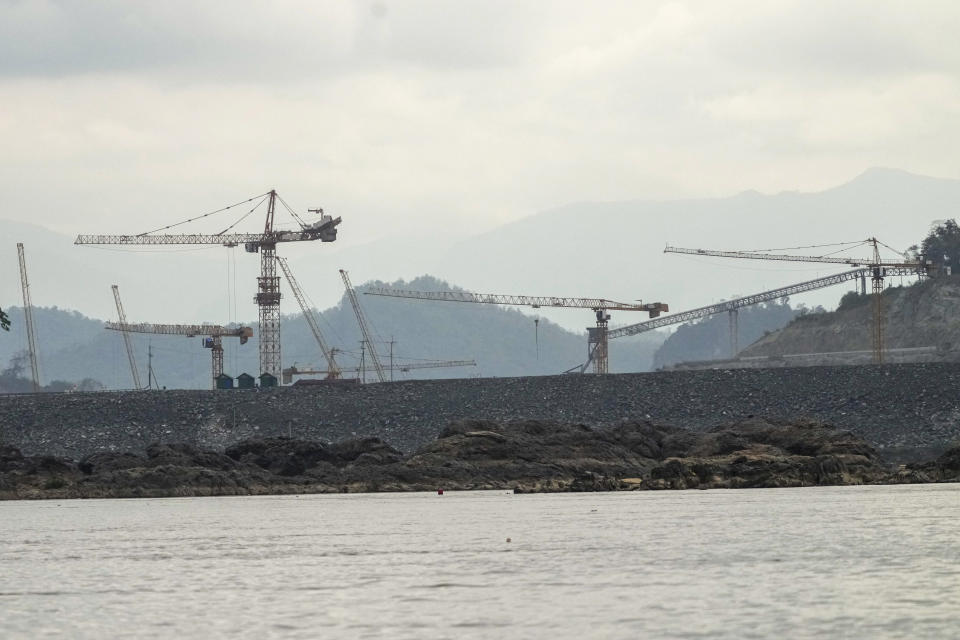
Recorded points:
(523,456)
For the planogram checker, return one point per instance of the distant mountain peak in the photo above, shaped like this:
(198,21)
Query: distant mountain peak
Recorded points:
(880,175)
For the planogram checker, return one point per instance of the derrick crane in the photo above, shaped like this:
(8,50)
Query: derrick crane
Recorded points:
(213,333)
(289,372)
(878,269)
(268,283)
(596,336)
(126,339)
(333,370)
(362,321)
(28,318)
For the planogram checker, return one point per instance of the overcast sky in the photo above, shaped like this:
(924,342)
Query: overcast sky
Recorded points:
(453,117)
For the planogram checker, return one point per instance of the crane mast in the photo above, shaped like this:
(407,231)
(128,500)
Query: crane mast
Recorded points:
(126,339)
(212,332)
(28,318)
(362,321)
(597,350)
(333,371)
(268,283)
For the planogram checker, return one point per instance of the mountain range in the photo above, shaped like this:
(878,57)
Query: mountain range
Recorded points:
(612,250)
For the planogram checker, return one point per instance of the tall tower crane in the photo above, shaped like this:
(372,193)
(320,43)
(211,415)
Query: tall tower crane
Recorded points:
(126,339)
(213,334)
(364,328)
(333,370)
(28,318)
(596,336)
(268,283)
(878,269)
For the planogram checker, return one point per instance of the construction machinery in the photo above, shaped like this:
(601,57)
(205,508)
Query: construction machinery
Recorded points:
(134,372)
(364,325)
(268,283)
(877,266)
(289,372)
(28,319)
(212,337)
(597,352)
(333,370)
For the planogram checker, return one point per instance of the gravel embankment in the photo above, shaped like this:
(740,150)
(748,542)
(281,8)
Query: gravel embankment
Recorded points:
(891,406)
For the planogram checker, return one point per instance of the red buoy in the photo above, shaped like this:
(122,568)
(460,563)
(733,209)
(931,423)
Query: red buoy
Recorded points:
(439,492)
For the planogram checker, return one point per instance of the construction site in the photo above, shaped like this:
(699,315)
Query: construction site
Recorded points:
(407,414)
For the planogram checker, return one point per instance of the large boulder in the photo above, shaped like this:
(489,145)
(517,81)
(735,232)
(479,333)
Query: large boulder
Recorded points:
(108,461)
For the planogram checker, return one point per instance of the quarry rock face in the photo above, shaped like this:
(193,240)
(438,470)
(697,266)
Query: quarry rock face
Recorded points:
(897,408)
(921,315)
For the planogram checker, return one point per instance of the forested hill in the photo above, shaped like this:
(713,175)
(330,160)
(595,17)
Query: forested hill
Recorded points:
(503,342)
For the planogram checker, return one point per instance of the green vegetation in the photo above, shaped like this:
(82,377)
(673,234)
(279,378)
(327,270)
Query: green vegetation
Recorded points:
(942,244)
(852,300)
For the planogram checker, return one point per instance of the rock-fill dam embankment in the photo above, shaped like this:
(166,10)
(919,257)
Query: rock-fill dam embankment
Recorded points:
(894,407)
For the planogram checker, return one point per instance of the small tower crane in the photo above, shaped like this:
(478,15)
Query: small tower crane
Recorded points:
(28,318)
(596,336)
(878,270)
(268,283)
(212,336)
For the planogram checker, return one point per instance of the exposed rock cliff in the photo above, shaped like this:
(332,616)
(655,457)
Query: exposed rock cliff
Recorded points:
(921,315)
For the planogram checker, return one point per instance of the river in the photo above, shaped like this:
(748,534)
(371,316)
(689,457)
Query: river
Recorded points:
(853,562)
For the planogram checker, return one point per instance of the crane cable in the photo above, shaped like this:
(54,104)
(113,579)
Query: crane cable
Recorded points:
(177,224)
(291,211)
(244,216)
(809,246)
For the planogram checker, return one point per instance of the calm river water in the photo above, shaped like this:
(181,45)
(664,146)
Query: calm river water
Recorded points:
(857,562)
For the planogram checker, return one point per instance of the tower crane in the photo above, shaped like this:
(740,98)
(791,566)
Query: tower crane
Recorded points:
(289,372)
(364,328)
(28,318)
(877,266)
(126,338)
(213,334)
(268,283)
(333,370)
(596,336)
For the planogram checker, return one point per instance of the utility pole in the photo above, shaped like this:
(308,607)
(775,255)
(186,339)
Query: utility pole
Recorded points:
(391,358)
(363,370)
(150,366)
(536,335)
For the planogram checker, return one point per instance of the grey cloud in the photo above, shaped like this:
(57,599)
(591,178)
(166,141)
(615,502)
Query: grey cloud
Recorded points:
(240,41)
(840,39)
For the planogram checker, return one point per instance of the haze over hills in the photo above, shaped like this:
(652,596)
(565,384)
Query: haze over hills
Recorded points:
(611,250)
(502,341)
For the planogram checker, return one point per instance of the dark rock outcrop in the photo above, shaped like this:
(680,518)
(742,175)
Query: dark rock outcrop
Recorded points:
(525,456)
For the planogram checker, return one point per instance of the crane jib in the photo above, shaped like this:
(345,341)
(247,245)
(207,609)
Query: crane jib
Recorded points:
(326,233)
